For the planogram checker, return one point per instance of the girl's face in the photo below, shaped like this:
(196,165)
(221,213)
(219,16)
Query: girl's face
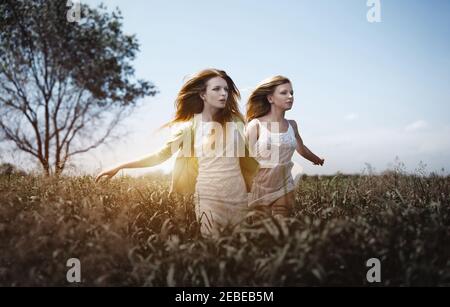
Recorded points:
(216,93)
(282,97)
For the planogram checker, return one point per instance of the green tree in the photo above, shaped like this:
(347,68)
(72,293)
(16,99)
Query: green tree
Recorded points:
(64,86)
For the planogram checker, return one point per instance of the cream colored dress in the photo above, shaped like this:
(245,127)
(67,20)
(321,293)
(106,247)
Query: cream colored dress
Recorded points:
(220,192)
(273,180)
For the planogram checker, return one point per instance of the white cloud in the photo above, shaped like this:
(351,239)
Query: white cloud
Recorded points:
(416,126)
(351,116)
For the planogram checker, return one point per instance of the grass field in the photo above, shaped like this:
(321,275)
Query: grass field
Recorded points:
(130,232)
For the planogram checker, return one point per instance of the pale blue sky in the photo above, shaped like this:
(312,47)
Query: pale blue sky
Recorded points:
(364,92)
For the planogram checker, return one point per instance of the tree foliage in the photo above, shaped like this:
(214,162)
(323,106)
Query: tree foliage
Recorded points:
(64,86)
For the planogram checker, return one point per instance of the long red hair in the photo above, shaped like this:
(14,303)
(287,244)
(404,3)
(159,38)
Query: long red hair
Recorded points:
(188,101)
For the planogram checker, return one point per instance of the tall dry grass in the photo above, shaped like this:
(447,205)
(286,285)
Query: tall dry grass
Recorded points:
(131,232)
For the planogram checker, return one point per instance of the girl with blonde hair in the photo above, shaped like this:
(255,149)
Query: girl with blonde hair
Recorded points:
(273,186)
(207,102)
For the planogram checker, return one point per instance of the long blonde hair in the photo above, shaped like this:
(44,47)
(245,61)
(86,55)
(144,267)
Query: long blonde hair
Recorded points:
(258,105)
(188,101)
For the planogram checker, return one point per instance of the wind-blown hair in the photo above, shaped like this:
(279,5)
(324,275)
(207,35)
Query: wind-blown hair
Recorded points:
(258,105)
(188,101)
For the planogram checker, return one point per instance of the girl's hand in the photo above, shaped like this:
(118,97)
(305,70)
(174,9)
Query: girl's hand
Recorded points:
(319,162)
(108,174)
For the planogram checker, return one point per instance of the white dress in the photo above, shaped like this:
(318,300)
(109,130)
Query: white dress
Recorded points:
(273,180)
(220,192)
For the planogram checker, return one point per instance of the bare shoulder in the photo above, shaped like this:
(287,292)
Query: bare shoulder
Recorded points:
(253,124)
(262,118)
(293,124)
(252,128)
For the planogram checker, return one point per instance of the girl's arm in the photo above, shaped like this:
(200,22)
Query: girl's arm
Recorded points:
(303,150)
(251,135)
(171,146)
